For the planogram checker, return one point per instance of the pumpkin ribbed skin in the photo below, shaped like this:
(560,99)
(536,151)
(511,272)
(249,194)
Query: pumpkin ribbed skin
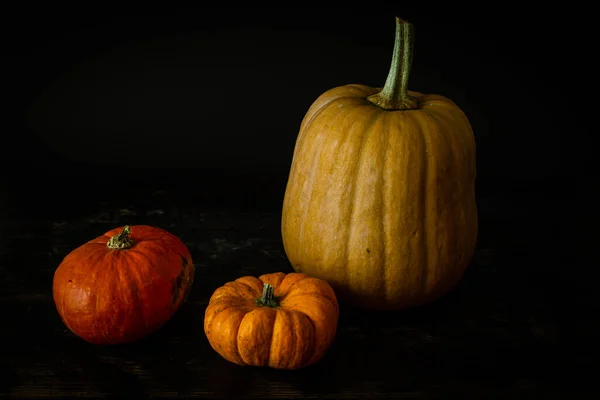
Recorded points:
(295,333)
(114,296)
(379,203)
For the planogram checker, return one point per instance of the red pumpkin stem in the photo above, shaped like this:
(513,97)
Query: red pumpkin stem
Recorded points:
(394,95)
(268,299)
(122,240)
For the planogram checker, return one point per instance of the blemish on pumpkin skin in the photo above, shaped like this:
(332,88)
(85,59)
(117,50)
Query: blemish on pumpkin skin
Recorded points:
(178,283)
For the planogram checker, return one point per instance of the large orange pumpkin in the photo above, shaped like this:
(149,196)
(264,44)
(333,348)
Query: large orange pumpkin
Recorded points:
(276,320)
(123,285)
(380,199)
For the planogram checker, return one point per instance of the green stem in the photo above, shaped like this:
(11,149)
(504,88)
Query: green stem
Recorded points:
(268,299)
(394,95)
(122,240)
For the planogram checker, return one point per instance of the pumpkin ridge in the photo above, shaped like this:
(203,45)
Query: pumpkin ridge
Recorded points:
(94,259)
(449,116)
(256,285)
(436,101)
(291,332)
(382,203)
(306,358)
(249,288)
(336,93)
(126,273)
(96,305)
(423,206)
(142,258)
(122,269)
(425,134)
(311,359)
(314,162)
(317,289)
(357,166)
(88,259)
(271,351)
(138,284)
(237,356)
(274,279)
(259,313)
(228,292)
(298,320)
(329,334)
(238,342)
(230,302)
(446,139)
(454,141)
(321,109)
(63,295)
(289,288)
(405,228)
(314,294)
(346,137)
(367,90)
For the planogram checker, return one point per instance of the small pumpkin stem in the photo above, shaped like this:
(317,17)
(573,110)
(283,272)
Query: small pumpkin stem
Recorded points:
(394,95)
(122,240)
(268,298)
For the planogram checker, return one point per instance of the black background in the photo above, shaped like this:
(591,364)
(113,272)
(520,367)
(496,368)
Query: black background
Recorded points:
(107,105)
(209,95)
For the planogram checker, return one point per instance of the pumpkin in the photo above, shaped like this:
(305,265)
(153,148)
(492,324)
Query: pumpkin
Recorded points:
(123,285)
(276,320)
(380,198)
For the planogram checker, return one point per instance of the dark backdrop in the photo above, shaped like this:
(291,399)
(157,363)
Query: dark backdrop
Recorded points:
(209,100)
(104,107)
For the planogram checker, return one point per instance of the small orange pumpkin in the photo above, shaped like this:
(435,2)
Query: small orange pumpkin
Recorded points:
(276,320)
(123,285)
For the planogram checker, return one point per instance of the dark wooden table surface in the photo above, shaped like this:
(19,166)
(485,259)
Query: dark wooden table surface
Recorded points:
(517,326)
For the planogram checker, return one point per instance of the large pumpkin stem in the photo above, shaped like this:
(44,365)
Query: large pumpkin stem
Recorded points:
(122,240)
(394,95)
(268,298)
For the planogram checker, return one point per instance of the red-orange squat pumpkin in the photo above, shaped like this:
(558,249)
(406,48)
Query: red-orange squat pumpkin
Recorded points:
(123,285)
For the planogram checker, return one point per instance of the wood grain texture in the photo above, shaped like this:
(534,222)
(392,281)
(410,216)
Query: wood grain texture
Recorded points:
(498,335)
